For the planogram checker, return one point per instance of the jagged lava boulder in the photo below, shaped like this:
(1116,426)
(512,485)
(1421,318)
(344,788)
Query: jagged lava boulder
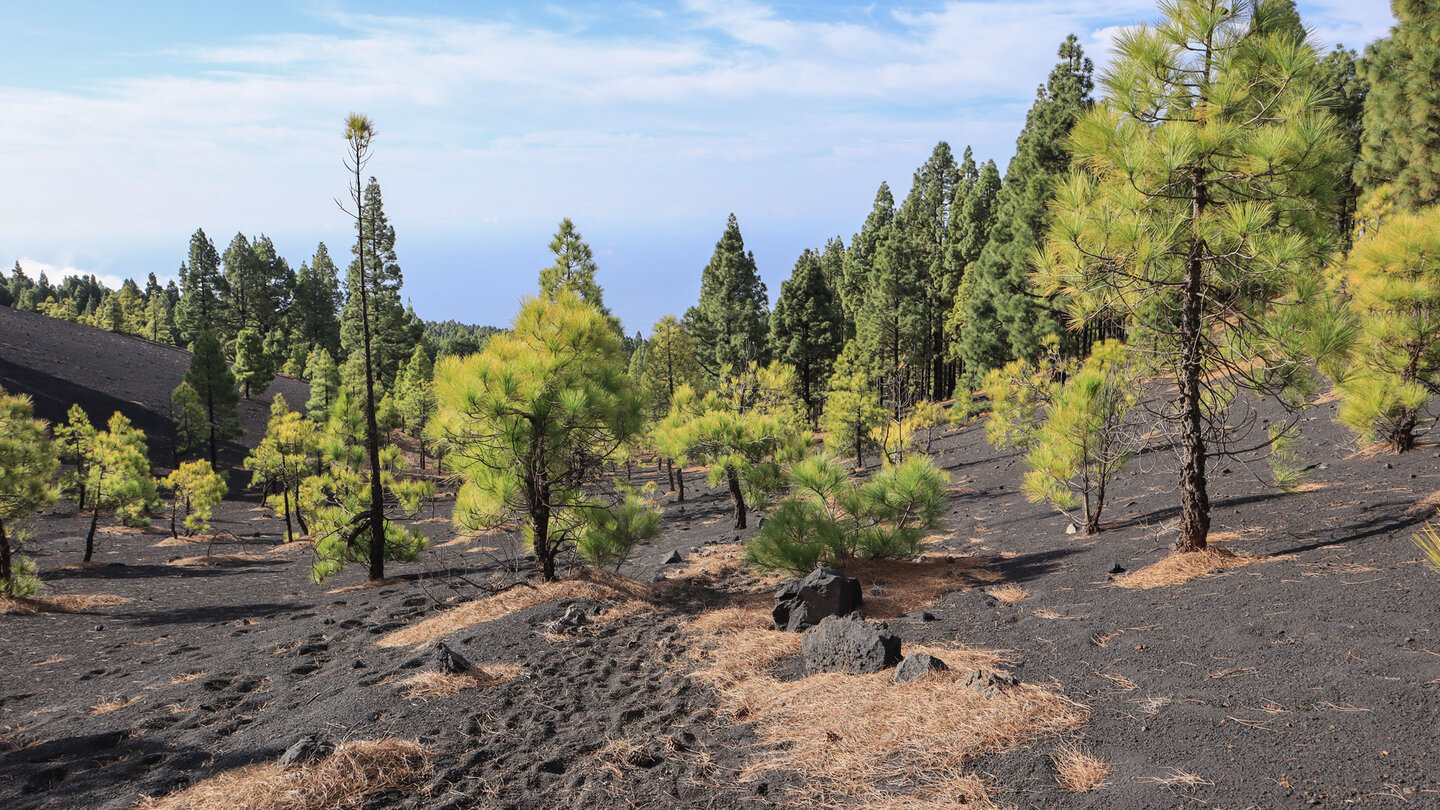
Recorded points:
(849,644)
(823,592)
(916,666)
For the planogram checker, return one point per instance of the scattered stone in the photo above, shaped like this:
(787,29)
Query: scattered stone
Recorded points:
(1389,466)
(574,618)
(305,749)
(1070,528)
(849,644)
(990,684)
(916,666)
(923,616)
(675,557)
(451,662)
(803,603)
(658,578)
(1116,569)
(876,590)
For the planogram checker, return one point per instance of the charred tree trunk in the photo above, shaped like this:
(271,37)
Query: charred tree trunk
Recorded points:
(733,479)
(5,572)
(1194,499)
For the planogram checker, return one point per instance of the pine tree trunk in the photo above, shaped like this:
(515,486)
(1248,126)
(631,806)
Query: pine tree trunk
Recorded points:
(289,533)
(544,555)
(299,514)
(90,537)
(422,452)
(680,482)
(734,481)
(5,572)
(1194,499)
(372,428)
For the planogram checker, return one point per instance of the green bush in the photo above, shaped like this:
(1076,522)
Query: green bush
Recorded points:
(829,518)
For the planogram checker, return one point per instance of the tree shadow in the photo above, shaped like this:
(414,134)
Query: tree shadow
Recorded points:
(207,614)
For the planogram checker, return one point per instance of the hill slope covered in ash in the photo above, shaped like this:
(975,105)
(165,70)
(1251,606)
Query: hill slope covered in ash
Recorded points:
(58,363)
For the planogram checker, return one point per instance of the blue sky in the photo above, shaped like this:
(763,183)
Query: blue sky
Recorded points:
(127,126)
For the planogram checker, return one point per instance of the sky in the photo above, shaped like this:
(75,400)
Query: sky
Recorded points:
(129,125)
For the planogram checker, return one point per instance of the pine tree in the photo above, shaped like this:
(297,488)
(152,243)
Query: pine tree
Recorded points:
(415,397)
(246,292)
(852,406)
(1004,317)
(195,489)
(890,327)
(254,368)
(213,382)
(118,477)
(860,258)
(158,318)
(1401,142)
(743,431)
(368,329)
(574,270)
(1393,278)
(282,461)
(373,282)
(730,324)
(531,421)
(74,442)
(1197,217)
(201,289)
(925,218)
(970,229)
(317,303)
(191,420)
(806,328)
(324,377)
(27,485)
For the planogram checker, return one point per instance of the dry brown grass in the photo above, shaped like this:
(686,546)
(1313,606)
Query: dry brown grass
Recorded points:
(298,544)
(592,585)
(107,706)
(427,685)
(346,778)
(1426,507)
(1078,770)
(863,740)
(1182,567)
(1009,593)
(217,559)
(909,586)
(189,676)
(59,603)
(187,541)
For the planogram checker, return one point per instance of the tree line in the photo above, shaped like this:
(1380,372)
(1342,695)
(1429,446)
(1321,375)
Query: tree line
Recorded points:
(1236,217)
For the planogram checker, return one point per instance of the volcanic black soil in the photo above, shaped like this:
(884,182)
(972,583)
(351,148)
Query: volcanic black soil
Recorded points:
(1310,678)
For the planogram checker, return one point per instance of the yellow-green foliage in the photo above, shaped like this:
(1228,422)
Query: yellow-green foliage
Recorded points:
(531,421)
(609,535)
(27,484)
(284,458)
(340,497)
(196,488)
(742,431)
(829,517)
(1084,439)
(1428,541)
(1019,392)
(915,432)
(118,476)
(1393,277)
(852,406)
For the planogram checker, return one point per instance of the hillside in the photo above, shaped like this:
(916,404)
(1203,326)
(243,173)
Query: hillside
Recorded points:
(1308,676)
(58,363)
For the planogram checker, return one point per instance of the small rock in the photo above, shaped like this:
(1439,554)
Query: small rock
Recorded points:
(924,616)
(1389,466)
(1070,528)
(658,578)
(99,627)
(916,666)
(1327,466)
(302,750)
(990,684)
(849,644)
(876,590)
(675,557)
(1117,568)
(450,662)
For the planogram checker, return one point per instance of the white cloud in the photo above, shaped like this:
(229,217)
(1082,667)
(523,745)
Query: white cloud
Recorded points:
(33,268)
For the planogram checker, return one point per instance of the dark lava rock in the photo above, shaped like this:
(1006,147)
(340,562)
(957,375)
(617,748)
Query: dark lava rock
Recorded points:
(450,662)
(675,557)
(916,666)
(305,749)
(849,644)
(990,684)
(824,592)
(1117,568)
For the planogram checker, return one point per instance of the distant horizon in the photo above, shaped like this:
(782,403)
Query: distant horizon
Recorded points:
(647,125)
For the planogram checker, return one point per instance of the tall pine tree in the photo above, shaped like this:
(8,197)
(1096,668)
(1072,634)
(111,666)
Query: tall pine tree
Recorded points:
(376,268)
(316,310)
(1004,318)
(212,380)
(730,324)
(806,328)
(201,288)
(1401,141)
